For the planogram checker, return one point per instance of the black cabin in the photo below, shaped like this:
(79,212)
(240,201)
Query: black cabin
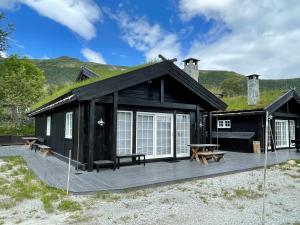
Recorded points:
(156,110)
(236,130)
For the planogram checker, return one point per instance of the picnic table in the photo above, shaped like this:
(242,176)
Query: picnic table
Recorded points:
(206,152)
(29,141)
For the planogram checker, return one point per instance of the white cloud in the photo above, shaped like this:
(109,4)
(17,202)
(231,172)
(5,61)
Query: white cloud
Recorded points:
(263,36)
(8,4)
(45,57)
(93,56)
(3,54)
(148,38)
(78,15)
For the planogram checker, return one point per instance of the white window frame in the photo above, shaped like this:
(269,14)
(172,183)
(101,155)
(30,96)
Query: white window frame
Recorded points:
(131,128)
(48,128)
(282,128)
(224,124)
(189,137)
(154,156)
(69,125)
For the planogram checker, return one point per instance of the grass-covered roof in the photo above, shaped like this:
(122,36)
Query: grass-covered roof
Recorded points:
(238,103)
(65,89)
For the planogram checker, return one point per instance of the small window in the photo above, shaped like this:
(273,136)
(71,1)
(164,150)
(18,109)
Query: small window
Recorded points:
(48,130)
(69,125)
(224,124)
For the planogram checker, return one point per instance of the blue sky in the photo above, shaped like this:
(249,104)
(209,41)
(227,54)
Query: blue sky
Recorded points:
(243,36)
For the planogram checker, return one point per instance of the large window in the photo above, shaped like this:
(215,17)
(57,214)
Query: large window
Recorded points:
(282,133)
(224,124)
(69,125)
(124,133)
(182,135)
(48,129)
(292,132)
(154,136)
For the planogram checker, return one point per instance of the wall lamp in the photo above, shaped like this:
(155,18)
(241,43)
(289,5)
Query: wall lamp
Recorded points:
(101,122)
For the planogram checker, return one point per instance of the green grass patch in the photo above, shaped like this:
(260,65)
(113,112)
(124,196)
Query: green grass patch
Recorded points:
(69,205)
(78,218)
(242,192)
(241,102)
(22,130)
(246,193)
(27,186)
(7,204)
(107,196)
(75,85)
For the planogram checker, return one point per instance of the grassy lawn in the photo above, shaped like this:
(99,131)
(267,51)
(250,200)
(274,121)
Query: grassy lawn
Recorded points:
(18,184)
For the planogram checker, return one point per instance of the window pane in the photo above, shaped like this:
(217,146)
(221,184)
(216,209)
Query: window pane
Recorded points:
(182,134)
(124,133)
(145,142)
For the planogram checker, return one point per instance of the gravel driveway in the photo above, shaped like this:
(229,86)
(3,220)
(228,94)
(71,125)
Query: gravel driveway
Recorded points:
(231,199)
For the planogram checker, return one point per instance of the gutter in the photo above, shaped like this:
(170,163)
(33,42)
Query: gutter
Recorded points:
(67,99)
(240,113)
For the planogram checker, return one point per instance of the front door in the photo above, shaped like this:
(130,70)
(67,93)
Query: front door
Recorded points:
(154,134)
(182,135)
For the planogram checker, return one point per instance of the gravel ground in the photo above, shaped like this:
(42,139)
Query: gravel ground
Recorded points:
(231,199)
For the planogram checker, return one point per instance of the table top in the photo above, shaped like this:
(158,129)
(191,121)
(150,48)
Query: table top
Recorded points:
(29,138)
(203,145)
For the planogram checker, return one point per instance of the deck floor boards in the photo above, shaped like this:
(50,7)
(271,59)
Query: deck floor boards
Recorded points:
(54,171)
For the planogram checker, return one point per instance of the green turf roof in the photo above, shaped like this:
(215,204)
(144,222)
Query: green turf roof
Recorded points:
(64,90)
(240,102)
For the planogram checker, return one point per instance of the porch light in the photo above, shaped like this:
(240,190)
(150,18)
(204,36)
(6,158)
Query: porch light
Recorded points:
(101,122)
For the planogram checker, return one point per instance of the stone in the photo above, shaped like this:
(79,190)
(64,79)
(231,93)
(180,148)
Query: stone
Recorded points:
(291,162)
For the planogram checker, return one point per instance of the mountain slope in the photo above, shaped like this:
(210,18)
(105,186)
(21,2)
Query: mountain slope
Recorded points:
(213,79)
(63,70)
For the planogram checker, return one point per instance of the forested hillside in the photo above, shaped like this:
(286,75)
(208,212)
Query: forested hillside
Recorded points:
(63,70)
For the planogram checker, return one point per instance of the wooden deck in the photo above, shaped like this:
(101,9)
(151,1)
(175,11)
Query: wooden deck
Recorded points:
(54,171)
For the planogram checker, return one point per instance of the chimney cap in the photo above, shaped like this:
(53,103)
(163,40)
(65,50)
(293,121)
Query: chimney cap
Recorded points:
(189,59)
(253,75)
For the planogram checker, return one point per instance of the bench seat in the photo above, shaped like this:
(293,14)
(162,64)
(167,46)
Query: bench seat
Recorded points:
(204,156)
(99,163)
(132,156)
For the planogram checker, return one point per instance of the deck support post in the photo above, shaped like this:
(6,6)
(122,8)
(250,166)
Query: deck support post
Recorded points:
(91,135)
(114,126)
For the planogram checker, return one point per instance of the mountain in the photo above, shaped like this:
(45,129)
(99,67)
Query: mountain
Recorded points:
(63,70)
(213,79)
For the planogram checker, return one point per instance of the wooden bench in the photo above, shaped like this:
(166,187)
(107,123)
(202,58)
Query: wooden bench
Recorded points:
(44,149)
(40,145)
(39,141)
(204,156)
(132,156)
(99,163)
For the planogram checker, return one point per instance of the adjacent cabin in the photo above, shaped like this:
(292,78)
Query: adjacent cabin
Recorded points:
(245,120)
(156,110)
